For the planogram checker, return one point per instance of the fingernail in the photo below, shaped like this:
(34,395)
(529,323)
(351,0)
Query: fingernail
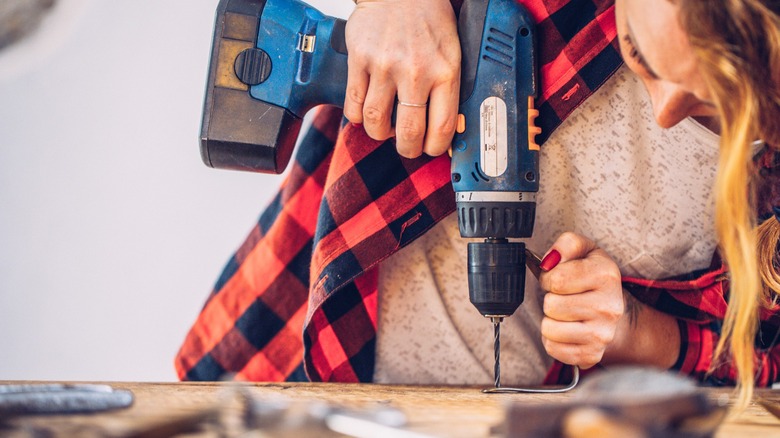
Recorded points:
(550,261)
(356,125)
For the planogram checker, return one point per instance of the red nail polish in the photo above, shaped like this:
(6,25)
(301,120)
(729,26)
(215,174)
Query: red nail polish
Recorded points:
(550,261)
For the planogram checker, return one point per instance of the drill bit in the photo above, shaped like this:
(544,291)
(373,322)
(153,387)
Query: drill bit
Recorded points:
(497,349)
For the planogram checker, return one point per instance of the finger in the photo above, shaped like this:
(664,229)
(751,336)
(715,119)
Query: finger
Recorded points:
(378,107)
(594,272)
(357,87)
(577,333)
(410,122)
(573,354)
(572,246)
(567,308)
(442,117)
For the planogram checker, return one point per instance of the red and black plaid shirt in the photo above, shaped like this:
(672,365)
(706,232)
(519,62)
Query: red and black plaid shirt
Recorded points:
(298,300)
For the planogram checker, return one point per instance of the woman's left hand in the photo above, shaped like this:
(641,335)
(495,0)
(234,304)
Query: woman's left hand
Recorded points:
(583,303)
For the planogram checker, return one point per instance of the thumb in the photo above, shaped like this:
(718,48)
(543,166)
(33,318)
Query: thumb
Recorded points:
(568,246)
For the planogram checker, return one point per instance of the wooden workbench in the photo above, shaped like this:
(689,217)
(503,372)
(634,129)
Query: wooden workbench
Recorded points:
(438,411)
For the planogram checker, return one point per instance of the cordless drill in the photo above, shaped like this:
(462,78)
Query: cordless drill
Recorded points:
(495,159)
(273,60)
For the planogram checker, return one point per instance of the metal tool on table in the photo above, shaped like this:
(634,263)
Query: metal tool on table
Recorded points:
(273,60)
(625,402)
(55,398)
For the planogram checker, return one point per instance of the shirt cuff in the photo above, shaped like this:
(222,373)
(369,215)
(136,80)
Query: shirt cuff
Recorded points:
(696,352)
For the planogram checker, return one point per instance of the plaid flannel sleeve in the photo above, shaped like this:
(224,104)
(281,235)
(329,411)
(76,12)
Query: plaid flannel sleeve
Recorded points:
(250,325)
(699,304)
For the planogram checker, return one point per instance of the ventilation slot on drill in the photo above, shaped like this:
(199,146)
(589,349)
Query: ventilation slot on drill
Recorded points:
(500,48)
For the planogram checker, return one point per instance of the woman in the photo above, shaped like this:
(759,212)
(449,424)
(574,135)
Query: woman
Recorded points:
(583,321)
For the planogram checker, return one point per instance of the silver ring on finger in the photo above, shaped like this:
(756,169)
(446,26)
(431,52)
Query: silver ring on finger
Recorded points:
(413,105)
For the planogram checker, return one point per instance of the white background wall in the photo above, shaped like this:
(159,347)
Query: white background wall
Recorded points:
(112,231)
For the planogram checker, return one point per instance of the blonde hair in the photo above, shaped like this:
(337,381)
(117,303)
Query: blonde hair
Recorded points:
(737,43)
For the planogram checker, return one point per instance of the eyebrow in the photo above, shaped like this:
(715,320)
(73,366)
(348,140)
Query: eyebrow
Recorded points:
(640,58)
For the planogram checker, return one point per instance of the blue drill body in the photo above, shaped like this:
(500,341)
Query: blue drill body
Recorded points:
(300,79)
(498,77)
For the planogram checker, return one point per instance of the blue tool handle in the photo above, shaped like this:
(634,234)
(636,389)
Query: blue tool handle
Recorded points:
(308,57)
(498,82)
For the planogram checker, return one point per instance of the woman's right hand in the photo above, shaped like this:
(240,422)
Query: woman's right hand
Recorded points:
(407,51)
(584,301)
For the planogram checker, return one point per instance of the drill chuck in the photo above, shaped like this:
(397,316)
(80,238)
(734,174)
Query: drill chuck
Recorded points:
(496,275)
(496,219)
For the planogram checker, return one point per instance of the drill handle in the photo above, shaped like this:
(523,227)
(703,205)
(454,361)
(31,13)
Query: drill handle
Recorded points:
(309,55)
(496,151)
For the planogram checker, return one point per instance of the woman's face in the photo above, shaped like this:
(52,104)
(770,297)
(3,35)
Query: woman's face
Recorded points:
(656,48)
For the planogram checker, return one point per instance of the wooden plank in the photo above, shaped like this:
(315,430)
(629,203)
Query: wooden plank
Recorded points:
(438,411)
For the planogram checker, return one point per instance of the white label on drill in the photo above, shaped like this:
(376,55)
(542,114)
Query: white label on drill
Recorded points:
(493,135)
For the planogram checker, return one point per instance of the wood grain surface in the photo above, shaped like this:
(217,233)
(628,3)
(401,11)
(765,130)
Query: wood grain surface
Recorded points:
(435,411)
